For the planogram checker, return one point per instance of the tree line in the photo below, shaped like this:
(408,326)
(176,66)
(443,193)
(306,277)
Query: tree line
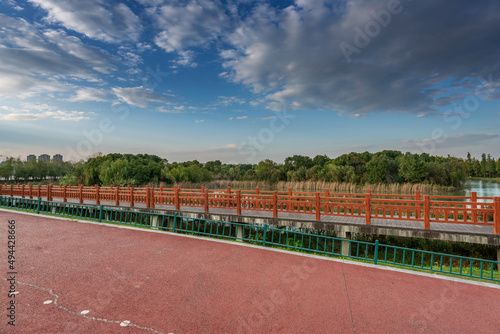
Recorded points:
(486,167)
(358,168)
(33,170)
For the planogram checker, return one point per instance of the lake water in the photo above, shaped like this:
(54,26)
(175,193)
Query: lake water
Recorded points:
(483,188)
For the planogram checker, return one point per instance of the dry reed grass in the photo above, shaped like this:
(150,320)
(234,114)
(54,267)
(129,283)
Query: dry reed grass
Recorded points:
(336,187)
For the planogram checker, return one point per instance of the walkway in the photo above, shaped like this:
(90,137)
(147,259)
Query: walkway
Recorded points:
(164,283)
(301,217)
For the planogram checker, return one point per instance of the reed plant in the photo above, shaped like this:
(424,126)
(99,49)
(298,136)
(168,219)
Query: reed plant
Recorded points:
(320,186)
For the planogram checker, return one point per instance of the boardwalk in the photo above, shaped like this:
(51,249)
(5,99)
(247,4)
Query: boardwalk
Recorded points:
(458,216)
(86,278)
(300,217)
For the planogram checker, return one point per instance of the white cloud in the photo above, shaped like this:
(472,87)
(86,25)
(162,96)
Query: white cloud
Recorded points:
(42,111)
(173,110)
(242,117)
(185,59)
(186,24)
(130,58)
(444,142)
(225,101)
(292,55)
(98,19)
(139,96)
(89,94)
(36,60)
(198,121)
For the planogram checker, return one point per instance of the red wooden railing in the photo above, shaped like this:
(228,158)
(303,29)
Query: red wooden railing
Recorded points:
(472,210)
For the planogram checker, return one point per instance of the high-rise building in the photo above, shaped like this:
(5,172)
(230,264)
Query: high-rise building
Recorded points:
(44,157)
(31,157)
(57,157)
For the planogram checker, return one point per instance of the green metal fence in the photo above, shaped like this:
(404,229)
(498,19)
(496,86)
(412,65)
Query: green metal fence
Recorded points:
(269,236)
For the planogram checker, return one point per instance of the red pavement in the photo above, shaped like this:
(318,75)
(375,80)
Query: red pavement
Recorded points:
(165,283)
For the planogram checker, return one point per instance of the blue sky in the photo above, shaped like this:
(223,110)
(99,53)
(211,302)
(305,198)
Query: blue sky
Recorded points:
(242,81)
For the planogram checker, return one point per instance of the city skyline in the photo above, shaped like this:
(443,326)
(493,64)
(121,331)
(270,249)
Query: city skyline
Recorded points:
(243,81)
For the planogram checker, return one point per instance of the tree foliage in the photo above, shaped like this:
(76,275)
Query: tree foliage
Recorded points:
(141,169)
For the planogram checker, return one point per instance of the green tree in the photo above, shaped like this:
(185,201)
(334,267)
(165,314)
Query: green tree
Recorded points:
(117,173)
(268,170)
(484,164)
(412,168)
(381,169)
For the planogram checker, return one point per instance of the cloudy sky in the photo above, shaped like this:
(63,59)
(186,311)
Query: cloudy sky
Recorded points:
(243,80)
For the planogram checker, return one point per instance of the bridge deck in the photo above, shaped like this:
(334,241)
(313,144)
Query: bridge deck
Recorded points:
(389,223)
(164,283)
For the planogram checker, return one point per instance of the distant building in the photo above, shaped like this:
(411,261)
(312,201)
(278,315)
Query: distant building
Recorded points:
(57,157)
(31,157)
(44,157)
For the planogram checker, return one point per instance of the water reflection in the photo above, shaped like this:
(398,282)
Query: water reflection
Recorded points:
(483,188)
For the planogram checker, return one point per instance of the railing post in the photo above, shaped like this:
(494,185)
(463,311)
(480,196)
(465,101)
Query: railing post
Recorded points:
(131,194)
(368,207)
(65,194)
(473,199)
(97,194)
(427,213)
(1,187)
(496,215)
(100,213)
(11,190)
(38,205)
(257,202)
(177,199)
(30,190)
(317,205)
(264,236)
(80,193)
(49,192)
(147,197)
(417,205)
(39,190)
(152,198)
(238,202)
(275,204)
(375,254)
(227,200)
(175,222)
(289,202)
(205,201)
(22,191)
(117,196)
